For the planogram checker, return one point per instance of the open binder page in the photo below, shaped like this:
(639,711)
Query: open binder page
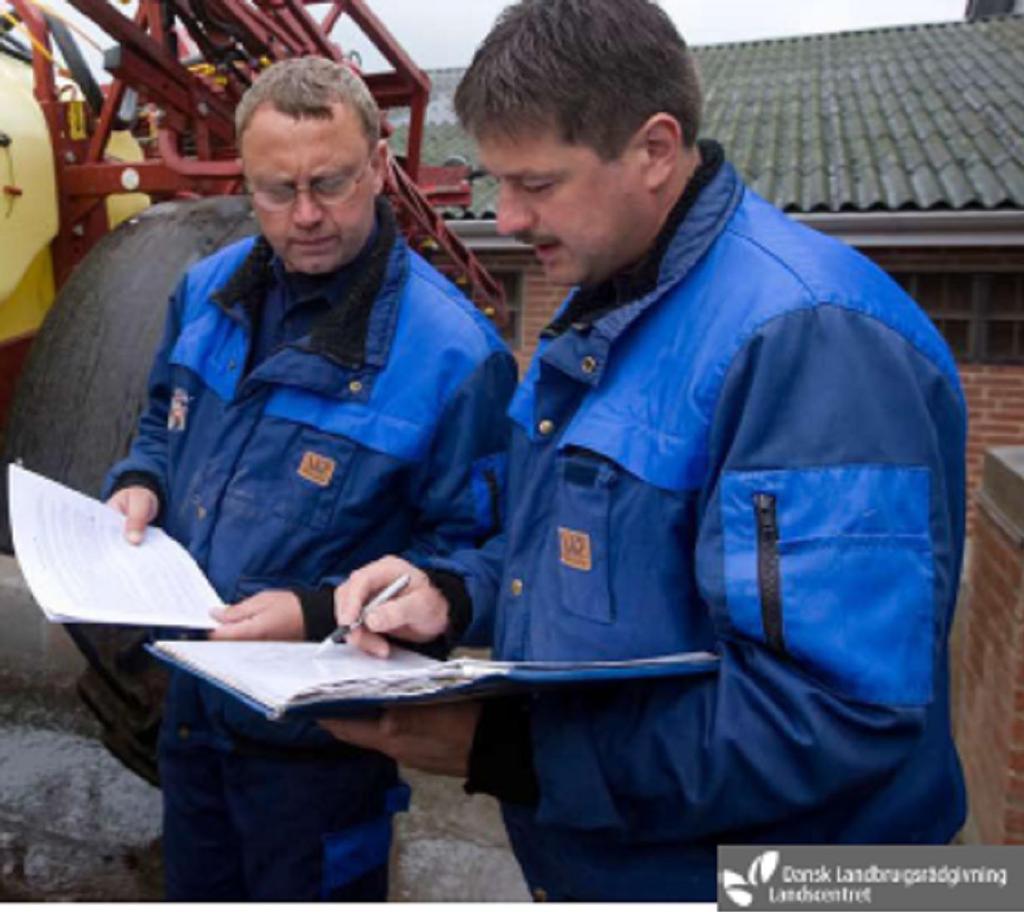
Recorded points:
(280,678)
(79,568)
(278,675)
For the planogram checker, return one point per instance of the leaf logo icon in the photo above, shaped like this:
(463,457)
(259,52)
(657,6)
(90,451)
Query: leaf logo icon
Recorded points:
(736,888)
(762,868)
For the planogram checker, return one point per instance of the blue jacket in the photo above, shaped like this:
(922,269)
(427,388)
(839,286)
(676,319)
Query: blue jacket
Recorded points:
(361,439)
(763,457)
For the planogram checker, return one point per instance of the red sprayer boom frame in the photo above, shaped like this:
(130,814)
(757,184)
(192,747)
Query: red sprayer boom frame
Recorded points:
(181,108)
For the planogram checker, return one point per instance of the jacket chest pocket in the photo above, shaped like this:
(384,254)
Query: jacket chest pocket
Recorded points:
(582,536)
(317,467)
(296,476)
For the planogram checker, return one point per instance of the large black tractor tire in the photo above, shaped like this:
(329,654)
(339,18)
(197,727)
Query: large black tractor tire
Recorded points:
(75,411)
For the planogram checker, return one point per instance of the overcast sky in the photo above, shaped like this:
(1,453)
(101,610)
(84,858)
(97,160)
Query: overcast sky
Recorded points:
(443,33)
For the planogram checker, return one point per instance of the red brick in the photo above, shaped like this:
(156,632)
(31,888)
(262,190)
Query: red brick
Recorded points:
(996,433)
(1015,788)
(989,817)
(992,606)
(998,592)
(1013,822)
(996,546)
(997,570)
(1005,378)
(1004,396)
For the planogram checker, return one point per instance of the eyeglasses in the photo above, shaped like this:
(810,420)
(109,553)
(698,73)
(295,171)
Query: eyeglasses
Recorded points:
(327,190)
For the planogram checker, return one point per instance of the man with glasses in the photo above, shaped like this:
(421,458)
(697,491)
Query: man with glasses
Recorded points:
(322,397)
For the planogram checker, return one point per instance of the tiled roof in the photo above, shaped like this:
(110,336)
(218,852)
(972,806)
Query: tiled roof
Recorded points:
(911,118)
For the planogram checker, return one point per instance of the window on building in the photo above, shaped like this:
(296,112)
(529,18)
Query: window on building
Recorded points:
(981,315)
(512,332)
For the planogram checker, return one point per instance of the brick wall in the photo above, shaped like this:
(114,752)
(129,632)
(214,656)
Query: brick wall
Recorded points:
(988,659)
(538,299)
(995,409)
(541,300)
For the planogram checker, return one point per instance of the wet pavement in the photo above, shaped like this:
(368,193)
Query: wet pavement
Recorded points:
(76,825)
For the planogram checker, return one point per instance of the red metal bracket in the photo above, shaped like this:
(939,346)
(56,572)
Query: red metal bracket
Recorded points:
(194,149)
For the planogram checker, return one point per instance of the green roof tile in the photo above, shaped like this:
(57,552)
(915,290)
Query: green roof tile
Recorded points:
(914,117)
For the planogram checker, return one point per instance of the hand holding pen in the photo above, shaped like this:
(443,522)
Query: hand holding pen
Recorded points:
(343,630)
(418,614)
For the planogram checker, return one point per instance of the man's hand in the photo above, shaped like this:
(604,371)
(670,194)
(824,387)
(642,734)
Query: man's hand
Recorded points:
(435,739)
(275,614)
(139,506)
(419,614)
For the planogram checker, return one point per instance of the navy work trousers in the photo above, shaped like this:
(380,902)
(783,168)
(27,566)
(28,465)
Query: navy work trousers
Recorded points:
(270,828)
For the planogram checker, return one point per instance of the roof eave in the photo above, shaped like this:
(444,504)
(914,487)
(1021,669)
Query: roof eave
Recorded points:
(995,228)
(974,228)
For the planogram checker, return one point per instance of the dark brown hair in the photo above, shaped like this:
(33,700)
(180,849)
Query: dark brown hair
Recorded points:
(595,70)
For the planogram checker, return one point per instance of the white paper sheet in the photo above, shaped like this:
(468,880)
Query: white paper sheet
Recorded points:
(279,674)
(78,566)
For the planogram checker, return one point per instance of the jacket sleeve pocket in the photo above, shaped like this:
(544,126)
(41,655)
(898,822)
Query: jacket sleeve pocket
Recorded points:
(582,541)
(833,568)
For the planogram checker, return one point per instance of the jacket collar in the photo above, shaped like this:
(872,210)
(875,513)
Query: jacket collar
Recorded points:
(590,302)
(356,329)
(678,249)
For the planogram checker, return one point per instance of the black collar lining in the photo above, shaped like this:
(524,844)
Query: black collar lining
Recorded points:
(591,302)
(340,333)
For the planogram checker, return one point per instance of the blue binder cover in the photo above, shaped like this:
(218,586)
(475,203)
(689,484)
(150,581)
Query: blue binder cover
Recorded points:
(285,679)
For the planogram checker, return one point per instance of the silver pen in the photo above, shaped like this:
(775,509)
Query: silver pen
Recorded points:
(388,592)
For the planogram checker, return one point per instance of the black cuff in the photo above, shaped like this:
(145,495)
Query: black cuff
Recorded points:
(319,622)
(137,479)
(460,607)
(317,612)
(460,613)
(501,758)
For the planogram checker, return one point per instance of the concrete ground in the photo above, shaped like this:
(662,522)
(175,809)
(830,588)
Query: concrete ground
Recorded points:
(76,825)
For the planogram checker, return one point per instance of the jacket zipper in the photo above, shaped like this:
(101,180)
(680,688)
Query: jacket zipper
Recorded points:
(769,583)
(491,478)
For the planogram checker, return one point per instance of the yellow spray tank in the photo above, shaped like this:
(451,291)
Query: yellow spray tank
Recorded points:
(28,206)
(28,202)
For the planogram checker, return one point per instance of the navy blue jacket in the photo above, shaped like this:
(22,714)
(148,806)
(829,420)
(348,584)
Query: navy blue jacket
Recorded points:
(382,431)
(764,457)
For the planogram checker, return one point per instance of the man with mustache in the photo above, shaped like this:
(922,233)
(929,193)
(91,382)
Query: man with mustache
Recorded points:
(322,397)
(737,435)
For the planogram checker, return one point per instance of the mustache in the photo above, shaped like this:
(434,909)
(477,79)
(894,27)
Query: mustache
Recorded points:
(534,240)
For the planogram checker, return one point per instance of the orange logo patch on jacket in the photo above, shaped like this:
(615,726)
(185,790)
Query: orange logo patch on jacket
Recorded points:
(316,468)
(575,548)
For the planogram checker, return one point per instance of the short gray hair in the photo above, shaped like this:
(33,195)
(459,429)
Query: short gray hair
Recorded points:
(306,87)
